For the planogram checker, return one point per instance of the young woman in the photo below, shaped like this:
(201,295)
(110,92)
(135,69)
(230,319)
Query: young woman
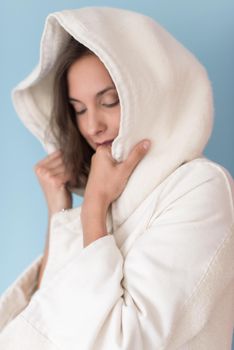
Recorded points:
(81,73)
(146,262)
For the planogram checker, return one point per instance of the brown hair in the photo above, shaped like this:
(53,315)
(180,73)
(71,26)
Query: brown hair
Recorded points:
(77,152)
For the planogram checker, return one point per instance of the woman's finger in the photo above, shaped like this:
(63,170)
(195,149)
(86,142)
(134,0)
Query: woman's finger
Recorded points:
(62,178)
(49,158)
(55,163)
(135,155)
(57,169)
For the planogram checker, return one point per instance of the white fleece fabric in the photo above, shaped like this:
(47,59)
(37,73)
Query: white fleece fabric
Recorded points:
(163,277)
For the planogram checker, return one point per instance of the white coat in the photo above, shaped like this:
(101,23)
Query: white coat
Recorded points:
(163,277)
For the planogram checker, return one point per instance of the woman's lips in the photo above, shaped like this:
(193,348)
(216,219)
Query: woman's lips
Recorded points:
(105,143)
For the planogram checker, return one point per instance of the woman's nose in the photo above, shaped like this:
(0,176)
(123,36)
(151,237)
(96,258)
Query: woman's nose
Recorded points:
(95,123)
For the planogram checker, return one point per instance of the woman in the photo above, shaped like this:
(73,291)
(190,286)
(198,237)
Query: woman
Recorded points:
(80,70)
(146,262)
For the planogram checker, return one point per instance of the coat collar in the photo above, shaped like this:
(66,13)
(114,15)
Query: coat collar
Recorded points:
(164,91)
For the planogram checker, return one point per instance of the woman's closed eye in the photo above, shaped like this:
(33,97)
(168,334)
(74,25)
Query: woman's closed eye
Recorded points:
(108,105)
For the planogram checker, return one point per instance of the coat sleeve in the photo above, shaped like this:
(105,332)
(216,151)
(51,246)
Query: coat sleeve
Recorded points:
(15,332)
(162,294)
(18,295)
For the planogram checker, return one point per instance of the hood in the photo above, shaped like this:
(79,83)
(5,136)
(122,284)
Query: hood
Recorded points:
(164,91)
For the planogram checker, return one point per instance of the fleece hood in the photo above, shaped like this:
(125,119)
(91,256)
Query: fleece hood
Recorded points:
(164,91)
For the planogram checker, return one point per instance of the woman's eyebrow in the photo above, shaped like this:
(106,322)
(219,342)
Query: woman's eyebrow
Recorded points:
(98,94)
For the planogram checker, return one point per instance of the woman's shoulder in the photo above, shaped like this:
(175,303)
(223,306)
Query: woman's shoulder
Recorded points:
(200,170)
(206,167)
(200,181)
(200,189)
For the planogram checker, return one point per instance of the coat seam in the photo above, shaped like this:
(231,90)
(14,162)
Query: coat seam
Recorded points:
(39,332)
(188,164)
(202,280)
(223,243)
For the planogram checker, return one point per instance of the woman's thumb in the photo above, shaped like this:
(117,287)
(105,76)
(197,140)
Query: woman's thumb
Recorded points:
(145,144)
(137,154)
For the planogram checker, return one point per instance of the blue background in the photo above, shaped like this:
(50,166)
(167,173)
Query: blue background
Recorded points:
(205,27)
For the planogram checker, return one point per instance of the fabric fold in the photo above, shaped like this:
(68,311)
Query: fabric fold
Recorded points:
(171,280)
(162,278)
(19,293)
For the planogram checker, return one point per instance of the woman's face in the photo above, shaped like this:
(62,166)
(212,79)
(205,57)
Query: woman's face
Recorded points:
(95,100)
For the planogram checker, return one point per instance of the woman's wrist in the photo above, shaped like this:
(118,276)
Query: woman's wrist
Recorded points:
(93,212)
(93,219)
(95,204)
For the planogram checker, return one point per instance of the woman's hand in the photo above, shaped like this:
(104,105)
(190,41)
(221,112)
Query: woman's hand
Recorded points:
(107,178)
(52,177)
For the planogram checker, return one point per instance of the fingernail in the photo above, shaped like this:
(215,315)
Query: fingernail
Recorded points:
(146,144)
